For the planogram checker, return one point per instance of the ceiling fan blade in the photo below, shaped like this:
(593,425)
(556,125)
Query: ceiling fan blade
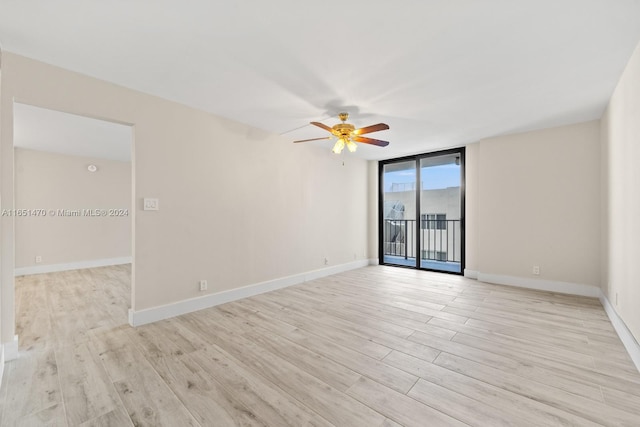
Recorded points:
(313,139)
(323,126)
(371,141)
(372,128)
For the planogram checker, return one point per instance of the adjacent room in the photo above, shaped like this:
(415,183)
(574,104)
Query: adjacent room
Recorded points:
(73,258)
(358,214)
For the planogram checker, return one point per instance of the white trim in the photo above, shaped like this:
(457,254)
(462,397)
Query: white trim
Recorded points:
(10,349)
(154,314)
(541,285)
(627,338)
(471,274)
(1,362)
(51,268)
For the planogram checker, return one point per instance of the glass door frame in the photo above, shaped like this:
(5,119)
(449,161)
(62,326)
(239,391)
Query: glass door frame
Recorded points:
(417,159)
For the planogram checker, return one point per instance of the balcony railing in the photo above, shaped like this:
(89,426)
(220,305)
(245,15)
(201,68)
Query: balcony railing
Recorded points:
(439,239)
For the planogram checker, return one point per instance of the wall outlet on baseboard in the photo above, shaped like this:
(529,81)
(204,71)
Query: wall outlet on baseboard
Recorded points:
(38,259)
(203,285)
(536,270)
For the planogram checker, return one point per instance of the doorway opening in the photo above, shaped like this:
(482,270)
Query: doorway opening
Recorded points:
(73,193)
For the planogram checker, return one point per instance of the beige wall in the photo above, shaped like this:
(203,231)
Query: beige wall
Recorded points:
(621,201)
(53,182)
(471,189)
(372,213)
(536,201)
(4,290)
(237,205)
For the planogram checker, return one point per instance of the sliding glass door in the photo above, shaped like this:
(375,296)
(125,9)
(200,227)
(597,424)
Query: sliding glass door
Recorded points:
(422,211)
(399,213)
(441,213)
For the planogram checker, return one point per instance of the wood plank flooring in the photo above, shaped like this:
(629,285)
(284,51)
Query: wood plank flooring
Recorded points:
(378,346)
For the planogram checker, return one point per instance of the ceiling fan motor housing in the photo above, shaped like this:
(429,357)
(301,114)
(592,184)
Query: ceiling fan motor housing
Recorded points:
(344,129)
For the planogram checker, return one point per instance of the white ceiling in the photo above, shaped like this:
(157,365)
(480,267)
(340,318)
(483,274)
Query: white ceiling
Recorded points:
(53,131)
(440,72)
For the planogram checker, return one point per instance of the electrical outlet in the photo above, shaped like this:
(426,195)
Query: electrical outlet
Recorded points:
(38,259)
(536,270)
(150,204)
(326,261)
(203,285)
(616,299)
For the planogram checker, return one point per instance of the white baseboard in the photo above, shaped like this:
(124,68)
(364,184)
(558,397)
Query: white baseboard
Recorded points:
(1,362)
(627,338)
(154,314)
(52,268)
(471,274)
(10,349)
(541,285)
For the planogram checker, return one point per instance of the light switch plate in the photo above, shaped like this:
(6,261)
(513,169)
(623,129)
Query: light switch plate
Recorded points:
(151,204)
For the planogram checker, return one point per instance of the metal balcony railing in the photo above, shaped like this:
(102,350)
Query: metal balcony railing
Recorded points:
(438,239)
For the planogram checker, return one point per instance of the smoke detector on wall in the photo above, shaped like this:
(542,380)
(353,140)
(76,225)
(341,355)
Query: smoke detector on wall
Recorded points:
(92,168)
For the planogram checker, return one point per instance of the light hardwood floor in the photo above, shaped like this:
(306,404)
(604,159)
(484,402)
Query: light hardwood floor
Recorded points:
(378,346)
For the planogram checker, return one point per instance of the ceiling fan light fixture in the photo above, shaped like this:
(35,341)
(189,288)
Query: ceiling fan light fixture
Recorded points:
(351,146)
(339,146)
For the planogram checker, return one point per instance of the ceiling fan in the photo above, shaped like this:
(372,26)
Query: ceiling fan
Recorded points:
(348,135)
